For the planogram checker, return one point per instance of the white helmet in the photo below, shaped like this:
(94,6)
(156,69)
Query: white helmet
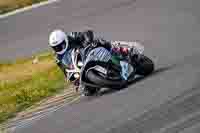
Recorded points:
(58,41)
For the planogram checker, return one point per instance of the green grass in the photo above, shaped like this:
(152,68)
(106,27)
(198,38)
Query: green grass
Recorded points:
(22,83)
(10,5)
(3,131)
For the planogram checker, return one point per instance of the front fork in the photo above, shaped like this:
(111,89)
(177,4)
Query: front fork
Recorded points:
(76,84)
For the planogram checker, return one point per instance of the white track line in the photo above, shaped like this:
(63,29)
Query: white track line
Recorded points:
(31,120)
(27,8)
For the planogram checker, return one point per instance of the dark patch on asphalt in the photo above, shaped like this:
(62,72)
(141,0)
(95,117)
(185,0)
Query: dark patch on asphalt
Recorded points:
(193,120)
(171,111)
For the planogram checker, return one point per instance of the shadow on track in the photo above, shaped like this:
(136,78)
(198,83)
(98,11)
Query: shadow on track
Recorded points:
(138,79)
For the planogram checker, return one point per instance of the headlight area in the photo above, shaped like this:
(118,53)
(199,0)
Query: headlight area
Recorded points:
(74,76)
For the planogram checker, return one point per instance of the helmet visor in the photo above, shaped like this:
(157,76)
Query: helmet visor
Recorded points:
(60,47)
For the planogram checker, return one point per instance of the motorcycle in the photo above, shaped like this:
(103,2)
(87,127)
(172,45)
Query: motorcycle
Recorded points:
(106,69)
(73,72)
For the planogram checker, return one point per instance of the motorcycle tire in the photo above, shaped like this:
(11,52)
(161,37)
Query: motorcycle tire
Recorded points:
(145,66)
(97,79)
(90,91)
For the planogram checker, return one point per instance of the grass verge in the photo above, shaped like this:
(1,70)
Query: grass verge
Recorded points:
(23,83)
(10,5)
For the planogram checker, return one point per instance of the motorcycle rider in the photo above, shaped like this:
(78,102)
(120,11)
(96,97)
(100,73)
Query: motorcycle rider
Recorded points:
(63,43)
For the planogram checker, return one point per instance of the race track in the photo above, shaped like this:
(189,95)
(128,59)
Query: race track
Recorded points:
(165,102)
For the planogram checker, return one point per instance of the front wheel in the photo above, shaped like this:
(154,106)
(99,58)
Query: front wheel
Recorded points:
(145,66)
(90,91)
(97,79)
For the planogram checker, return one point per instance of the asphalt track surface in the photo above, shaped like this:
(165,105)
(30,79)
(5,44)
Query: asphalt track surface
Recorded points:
(165,102)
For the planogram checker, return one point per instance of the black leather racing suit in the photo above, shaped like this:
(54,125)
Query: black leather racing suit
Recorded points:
(79,40)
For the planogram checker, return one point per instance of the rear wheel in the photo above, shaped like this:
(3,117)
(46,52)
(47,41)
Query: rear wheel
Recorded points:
(145,66)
